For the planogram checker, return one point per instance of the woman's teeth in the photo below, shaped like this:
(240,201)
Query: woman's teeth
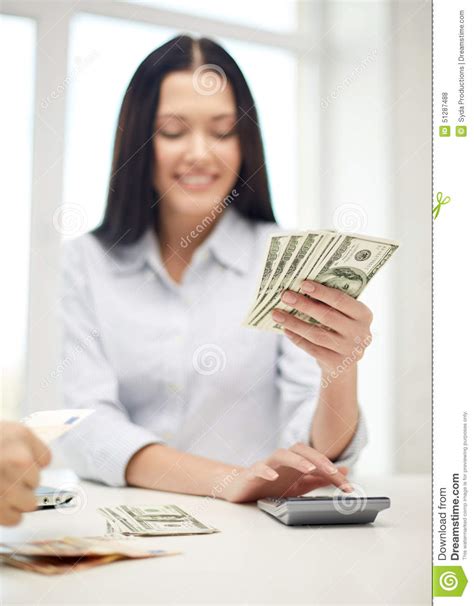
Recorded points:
(197,180)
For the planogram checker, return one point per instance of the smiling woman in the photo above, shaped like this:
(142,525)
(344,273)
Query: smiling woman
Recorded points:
(187,108)
(184,395)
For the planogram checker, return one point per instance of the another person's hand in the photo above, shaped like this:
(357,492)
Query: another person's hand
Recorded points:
(286,473)
(22,455)
(349,322)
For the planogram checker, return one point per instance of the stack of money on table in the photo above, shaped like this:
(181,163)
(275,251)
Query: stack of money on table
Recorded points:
(68,554)
(151,520)
(344,261)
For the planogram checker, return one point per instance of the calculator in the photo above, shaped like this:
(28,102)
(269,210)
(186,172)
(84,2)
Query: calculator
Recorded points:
(297,511)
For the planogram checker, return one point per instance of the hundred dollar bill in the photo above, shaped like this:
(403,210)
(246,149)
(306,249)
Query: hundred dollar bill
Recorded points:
(152,520)
(327,243)
(51,424)
(344,261)
(68,554)
(276,266)
(275,245)
(285,273)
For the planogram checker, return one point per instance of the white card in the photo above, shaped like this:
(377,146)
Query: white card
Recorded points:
(48,425)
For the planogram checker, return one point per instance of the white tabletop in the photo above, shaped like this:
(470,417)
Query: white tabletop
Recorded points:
(253,560)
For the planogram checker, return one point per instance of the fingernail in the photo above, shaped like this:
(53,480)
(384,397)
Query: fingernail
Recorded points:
(346,488)
(278,316)
(271,475)
(307,467)
(289,297)
(330,468)
(308,287)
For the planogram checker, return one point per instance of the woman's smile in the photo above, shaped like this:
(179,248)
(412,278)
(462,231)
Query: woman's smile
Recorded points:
(196,181)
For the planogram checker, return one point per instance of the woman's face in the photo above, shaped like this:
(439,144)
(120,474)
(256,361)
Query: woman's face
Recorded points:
(197,152)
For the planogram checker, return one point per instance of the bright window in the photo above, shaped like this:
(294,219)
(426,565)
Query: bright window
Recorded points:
(105,53)
(17,43)
(254,13)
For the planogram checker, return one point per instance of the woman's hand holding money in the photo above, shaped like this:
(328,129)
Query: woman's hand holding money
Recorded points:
(349,322)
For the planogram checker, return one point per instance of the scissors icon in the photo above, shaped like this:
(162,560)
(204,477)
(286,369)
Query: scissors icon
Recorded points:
(441,201)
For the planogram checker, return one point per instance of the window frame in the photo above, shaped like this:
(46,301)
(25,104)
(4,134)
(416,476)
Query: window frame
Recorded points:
(48,147)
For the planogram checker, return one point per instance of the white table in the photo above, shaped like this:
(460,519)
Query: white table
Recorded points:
(254,559)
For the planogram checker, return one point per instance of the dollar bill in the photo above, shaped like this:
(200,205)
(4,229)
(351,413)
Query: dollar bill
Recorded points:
(59,556)
(284,272)
(152,520)
(48,425)
(347,262)
(275,245)
(309,267)
(278,267)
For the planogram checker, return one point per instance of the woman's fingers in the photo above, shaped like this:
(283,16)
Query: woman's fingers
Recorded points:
(287,458)
(261,470)
(309,483)
(330,317)
(9,516)
(24,498)
(316,470)
(305,484)
(282,458)
(323,466)
(336,298)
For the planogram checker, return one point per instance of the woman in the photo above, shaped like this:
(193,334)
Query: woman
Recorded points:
(187,399)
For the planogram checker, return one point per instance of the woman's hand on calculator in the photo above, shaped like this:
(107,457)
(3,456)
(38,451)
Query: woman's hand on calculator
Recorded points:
(288,472)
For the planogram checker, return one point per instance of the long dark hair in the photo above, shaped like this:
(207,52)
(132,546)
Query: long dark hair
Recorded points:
(132,201)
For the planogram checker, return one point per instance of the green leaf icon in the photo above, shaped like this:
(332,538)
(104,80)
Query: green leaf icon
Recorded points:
(448,581)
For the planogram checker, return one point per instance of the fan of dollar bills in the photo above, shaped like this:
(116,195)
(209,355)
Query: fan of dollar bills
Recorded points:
(344,261)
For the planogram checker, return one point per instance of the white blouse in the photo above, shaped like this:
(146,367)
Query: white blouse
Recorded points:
(170,363)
